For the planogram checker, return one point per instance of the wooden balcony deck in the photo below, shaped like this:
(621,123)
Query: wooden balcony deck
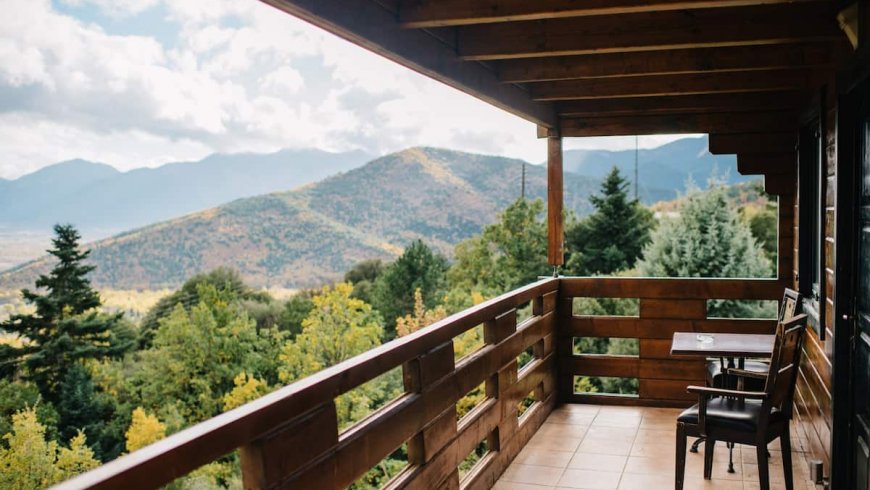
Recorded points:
(632,448)
(291,438)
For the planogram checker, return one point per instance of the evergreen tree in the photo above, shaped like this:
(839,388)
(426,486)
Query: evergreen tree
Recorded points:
(707,240)
(66,327)
(82,408)
(417,268)
(612,238)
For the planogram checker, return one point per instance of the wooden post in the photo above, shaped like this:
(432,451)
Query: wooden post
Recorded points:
(556,238)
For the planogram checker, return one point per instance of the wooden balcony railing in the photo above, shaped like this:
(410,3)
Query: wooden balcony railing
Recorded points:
(291,439)
(665,306)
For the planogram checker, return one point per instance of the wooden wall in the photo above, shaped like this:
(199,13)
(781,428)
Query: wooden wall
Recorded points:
(813,396)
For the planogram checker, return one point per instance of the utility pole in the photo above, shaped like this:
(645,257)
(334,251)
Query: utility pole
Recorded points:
(635,166)
(523,184)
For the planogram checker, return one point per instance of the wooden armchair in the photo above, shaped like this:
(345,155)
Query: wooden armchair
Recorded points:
(754,418)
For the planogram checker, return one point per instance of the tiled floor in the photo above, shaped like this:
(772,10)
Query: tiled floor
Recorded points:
(627,448)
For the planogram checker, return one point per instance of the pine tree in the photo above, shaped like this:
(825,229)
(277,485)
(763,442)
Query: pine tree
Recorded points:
(707,240)
(612,238)
(66,327)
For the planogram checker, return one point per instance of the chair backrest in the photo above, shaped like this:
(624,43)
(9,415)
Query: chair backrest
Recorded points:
(791,305)
(785,362)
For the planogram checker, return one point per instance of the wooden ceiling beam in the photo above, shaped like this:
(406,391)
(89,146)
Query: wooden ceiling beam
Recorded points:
(442,13)
(771,142)
(681,104)
(650,31)
(669,85)
(369,25)
(668,62)
(766,163)
(725,122)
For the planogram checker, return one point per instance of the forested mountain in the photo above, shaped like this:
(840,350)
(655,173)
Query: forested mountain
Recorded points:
(101,200)
(662,171)
(313,234)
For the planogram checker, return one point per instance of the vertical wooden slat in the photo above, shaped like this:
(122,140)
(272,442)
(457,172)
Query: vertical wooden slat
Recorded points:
(555,233)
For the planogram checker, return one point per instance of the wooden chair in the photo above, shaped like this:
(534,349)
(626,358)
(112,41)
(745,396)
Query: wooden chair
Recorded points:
(720,374)
(754,418)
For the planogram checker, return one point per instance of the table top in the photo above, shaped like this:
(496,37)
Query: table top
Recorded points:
(723,345)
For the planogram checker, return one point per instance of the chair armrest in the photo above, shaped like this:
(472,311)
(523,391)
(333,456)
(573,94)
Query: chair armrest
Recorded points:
(707,392)
(743,373)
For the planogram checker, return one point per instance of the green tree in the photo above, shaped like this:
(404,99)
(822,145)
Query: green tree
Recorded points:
(30,461)
(223,279)
(296,309)
(707,240)
(363,276)
(195,357)
(612,238)
(508,254)
(338,328)
(417,268)
(83,408)
(66,328)
(16,396)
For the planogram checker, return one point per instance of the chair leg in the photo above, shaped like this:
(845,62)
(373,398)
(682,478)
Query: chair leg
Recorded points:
(785,441)
(696,444)
(763,474)
(681,456)
(731,457)
(709,445)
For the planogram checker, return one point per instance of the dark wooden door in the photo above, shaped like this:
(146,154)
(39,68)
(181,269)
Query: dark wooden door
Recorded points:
(861,365)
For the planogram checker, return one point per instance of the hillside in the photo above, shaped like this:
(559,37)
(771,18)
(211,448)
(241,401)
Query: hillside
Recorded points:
(663,171)
(102,201)
(313,234)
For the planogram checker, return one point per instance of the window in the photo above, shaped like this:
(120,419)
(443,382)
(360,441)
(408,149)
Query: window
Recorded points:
(810,201)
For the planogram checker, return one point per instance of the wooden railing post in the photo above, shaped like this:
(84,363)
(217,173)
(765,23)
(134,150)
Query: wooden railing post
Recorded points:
(419,374)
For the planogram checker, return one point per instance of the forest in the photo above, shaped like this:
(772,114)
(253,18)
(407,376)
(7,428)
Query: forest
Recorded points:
(81,385)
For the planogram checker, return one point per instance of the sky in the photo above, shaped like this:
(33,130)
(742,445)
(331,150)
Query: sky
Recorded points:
(136,83)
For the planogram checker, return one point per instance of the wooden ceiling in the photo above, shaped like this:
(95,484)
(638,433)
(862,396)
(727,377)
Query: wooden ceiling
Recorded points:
(608,67)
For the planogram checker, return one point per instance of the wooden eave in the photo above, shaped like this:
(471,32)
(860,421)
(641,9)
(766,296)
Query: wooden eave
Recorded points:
(608,67)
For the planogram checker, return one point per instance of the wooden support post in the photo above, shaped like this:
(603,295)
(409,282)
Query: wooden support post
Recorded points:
(556,237)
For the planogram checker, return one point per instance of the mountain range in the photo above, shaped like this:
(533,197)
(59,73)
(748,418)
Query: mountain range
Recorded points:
(101,200)
(311,234)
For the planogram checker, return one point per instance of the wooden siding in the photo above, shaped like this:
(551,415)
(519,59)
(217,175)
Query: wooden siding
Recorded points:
(813,395)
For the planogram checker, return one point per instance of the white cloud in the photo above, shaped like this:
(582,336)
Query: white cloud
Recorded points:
(239,76)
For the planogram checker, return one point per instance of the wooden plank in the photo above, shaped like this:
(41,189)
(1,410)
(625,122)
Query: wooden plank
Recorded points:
(626,400)
(766,163)
(680,104)
(689,309)
(671,288)
(762,142)
(367,24)
(737,122)
(757,25)
(779,183)
(667,62)
(651,389)
(674,85)
(555,202)
(442,13)
(615,327)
